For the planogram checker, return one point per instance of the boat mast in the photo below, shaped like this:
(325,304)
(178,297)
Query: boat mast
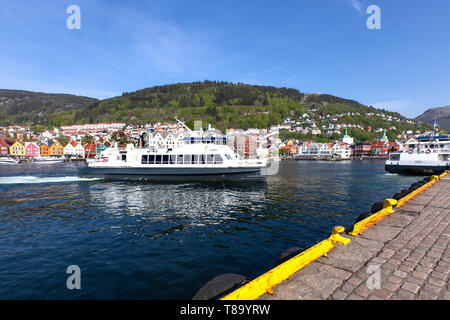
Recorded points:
(182,123)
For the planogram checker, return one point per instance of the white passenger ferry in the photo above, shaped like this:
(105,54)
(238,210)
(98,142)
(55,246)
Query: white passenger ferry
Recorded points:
(47,160)
(425,155)
(8,160)
(201,156)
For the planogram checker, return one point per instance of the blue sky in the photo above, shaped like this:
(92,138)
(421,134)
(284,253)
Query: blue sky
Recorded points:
(311,45)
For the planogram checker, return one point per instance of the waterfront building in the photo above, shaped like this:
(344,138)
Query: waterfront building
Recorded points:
(44,150)
(17,149)
(239,145)
(165,140)
(100,148)
(4,148)
(31,149)
(304,148)
(341,150)
(56,149)
(361,149)
(250,146)
(90,150)
(74,149)
(287,151)
(230,141)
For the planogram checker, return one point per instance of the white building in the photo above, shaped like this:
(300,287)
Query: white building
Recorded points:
(74,149)
(346,139)
(341,150)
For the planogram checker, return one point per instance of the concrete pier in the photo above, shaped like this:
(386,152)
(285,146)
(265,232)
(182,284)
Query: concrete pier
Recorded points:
(406,255)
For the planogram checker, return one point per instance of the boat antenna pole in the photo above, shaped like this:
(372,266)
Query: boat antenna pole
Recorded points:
(182,123)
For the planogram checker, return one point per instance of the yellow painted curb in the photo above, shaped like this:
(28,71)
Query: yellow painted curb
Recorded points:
(389,204)
(362,225)
(265,283)
(411,195)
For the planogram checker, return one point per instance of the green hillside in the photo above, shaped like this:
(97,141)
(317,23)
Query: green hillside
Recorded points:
(224,105)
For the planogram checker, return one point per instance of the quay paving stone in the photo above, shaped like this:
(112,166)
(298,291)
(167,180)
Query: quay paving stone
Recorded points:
(381,233)
(412,210)
(352,256)
(423,200)
(411,246)
(316,281)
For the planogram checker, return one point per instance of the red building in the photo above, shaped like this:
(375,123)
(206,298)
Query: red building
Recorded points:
(31,149)
(361,149)
(4,148)
(250,146)
(90,150)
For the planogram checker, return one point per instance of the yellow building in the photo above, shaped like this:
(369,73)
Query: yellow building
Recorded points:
(17,149)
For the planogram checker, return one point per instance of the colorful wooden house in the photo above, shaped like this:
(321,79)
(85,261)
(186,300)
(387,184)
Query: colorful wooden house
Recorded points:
(74,149)
(44,150)
(56,149)
(100,148)
(17,149)
(90,150)
(31,149)
(4,148)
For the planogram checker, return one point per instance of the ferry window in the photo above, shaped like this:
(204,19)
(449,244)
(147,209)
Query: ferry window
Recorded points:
(180,159)
(173,159)
(151,159)
(218,159)
(144,159)
(158,159)
(202,159)
(195,159)
(395,157)
(228,156)
(210,158)
(165,159)
(187,159)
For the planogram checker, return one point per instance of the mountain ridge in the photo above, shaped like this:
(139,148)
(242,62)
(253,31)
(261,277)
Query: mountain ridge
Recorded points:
(30,107)
(223,104)
(440,114)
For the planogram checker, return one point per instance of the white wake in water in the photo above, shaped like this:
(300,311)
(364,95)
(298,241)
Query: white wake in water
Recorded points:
(37,179)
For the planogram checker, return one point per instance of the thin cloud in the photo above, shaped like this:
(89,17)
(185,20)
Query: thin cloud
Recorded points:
(404,107)
(357,5)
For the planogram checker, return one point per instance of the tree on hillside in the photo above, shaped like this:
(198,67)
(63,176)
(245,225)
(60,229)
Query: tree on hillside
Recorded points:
(63,140)
(120,137)
(87,139)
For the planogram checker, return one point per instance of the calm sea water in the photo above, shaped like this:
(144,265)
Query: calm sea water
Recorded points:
(164,241)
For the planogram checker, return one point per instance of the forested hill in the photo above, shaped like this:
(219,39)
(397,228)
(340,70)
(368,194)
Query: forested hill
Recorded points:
(223,104)
(19,107)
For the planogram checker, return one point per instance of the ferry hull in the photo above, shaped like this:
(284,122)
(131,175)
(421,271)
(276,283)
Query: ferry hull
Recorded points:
(415,170)
(175,174)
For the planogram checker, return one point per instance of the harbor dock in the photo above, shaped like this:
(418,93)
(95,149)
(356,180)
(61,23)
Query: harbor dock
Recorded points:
(401,252)
(410,248)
